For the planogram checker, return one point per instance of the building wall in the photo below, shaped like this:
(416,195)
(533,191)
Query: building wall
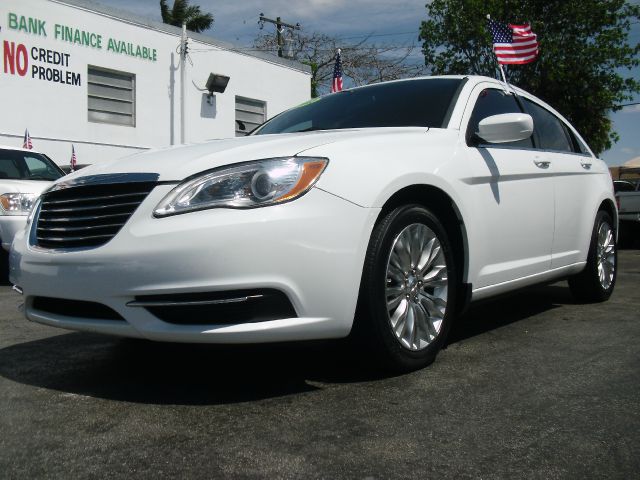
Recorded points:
(55,112)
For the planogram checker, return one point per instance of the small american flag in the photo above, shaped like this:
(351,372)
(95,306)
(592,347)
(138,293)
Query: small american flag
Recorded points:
(73,162)
(26,143)
(513,44)
(336,86)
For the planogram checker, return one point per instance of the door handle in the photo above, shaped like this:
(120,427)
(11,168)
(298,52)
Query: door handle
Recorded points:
(542,163)
(586,166)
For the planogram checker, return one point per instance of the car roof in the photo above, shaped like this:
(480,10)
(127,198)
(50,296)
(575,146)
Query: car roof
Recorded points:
(17,149)
(474,78)
(400,80)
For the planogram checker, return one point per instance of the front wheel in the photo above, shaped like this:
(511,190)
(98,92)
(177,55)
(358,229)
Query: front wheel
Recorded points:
(407,296)
(595,283)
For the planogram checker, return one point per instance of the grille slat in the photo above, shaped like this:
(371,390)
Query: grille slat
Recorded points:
(81,219)
(73,239)
(74,229)
(87,216)
(92,207)
(95,199)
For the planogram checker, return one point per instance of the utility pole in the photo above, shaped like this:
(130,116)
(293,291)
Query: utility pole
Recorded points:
(183,79)
(279,29)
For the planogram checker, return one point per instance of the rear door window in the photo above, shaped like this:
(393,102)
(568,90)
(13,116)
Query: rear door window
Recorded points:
(550,131)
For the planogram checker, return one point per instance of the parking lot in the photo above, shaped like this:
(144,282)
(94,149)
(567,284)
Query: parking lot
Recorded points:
(531,386)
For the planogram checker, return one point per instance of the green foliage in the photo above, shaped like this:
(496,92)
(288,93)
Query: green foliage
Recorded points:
(183,12)
(584,53)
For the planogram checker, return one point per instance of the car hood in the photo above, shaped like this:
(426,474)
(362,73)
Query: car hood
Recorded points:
(177,163)
(23,186)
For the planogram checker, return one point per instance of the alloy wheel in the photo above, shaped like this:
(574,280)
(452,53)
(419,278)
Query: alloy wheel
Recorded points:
(606,255)
(416,286)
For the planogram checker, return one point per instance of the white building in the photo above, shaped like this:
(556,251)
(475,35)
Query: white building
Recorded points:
(75,72)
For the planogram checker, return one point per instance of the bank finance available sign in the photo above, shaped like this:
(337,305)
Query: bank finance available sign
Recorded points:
(53,65)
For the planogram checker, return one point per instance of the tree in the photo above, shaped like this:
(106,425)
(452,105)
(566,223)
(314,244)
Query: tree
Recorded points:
(584,53)
(362,62)
(183,12)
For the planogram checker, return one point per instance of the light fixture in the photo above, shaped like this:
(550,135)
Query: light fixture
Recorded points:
(217,83)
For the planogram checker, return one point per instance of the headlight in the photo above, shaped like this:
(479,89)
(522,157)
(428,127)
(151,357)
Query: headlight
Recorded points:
(246,185)
(32,213)
(17,203)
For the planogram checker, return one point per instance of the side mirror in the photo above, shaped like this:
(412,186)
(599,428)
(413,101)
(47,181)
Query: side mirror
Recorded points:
(506,127)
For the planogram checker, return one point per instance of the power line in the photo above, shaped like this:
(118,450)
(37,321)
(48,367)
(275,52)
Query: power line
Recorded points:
(381,49)
(378,35)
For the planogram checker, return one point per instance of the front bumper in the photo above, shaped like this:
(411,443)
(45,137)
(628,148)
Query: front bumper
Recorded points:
(312,249)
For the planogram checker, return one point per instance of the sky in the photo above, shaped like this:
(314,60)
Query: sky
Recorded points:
(391,22)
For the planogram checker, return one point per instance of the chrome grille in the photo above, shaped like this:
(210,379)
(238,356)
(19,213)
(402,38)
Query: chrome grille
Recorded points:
(88,215)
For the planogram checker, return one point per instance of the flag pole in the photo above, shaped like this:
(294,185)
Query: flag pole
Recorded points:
(504,77)
(508,86)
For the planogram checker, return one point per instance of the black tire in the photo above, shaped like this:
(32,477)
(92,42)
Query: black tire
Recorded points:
(373,324)
(586,286)
(4,267)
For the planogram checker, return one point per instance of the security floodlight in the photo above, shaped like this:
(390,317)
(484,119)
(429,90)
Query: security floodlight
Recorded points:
(217,83)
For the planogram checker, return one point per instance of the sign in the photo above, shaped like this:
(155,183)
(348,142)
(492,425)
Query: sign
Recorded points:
(78,36)
(42,63)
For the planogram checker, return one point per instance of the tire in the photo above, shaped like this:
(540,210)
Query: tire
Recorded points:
(404,316)
(596,282)
(4,267)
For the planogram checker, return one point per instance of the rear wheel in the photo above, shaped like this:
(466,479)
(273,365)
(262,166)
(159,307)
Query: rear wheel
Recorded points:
(596,282)
(4,267)
(407,297)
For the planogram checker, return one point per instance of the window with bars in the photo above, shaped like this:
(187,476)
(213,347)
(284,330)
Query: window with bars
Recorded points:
(249,114)
(111,96)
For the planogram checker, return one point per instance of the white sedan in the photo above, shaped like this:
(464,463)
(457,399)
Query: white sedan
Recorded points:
(380,212)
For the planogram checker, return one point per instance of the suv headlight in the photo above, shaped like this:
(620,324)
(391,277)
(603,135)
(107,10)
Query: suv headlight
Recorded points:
(246,185)
(17,203)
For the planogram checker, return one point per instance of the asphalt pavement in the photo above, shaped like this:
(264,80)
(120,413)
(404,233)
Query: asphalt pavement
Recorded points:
(530,386)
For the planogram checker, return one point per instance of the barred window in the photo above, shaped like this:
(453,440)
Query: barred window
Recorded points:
(249,114)
(111,96)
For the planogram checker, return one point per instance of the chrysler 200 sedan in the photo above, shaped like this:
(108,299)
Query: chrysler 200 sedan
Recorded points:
(379,212)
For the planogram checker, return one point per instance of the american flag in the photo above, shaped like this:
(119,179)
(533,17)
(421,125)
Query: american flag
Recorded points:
(73,162)
(513,44)
(336,86)
(26,143)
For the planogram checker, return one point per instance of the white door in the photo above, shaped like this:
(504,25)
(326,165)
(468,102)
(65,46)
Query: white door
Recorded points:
(575,174)
(511,189)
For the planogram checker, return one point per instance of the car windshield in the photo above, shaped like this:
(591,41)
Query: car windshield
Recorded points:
(21,165)
(413,103)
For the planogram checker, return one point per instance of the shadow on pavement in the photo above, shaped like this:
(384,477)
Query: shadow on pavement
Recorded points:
(501,311)
(160,373)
